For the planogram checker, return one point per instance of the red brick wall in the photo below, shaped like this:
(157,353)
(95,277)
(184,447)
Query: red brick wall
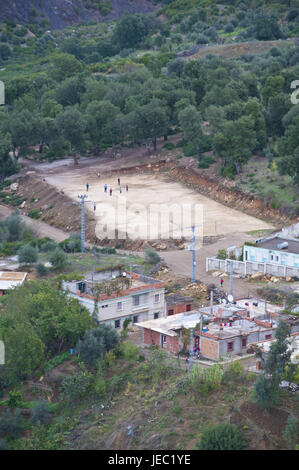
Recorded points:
(180,308)
(209,348)
(153,337)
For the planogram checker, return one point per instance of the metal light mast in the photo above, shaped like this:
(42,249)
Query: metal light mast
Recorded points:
(83,200)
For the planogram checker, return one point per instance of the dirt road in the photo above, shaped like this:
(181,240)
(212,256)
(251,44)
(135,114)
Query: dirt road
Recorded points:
(180,263)
(41,229)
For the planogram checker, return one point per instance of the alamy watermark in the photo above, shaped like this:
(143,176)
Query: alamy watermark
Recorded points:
(149,222)
(294,99)
(2,353)
(2,93)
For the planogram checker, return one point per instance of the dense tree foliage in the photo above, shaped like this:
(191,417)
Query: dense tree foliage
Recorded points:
(39,321)
(222,437)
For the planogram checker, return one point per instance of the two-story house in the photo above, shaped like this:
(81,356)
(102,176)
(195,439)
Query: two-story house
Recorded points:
(119,297)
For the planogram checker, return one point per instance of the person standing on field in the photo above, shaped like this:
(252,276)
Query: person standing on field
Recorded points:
(87,186)
(105,188)
(110,191)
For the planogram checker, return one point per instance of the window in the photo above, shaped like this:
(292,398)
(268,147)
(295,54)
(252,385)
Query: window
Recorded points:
(244,342)
(230,346)
(156,315)
(135,319)
(136,300)
(157,298)
(170,312)
(188,308)
(119,305)
(268,336)
(164,339)
(117,324)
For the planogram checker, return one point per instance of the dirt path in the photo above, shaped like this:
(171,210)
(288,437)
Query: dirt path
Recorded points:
(41,229)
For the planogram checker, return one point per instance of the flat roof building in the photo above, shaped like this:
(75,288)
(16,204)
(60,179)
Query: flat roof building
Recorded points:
(9,280)
(117,297)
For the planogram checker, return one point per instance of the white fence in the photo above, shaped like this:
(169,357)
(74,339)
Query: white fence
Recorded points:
(250,267)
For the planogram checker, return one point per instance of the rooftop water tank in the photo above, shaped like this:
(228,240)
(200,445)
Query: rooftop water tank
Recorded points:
(282,245)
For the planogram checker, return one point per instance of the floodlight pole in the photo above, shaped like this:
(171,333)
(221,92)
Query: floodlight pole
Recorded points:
(83,200)
(192,249)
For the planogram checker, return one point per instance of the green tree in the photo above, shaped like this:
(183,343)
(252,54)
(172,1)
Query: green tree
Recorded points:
(288,147)
(266,392)
(149,121)
(236,142)
(24,351)
(7,165)
(75,387)
(58,259)
(12,424)
(58,321)
(40,413)
(15,227)
(72,124)
(96,343)
(65,65)
(99,114)
(223,436)
(190,122)
(27,254)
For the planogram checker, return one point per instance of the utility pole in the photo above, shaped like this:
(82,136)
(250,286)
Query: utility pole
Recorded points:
(191,350)
(192,249)
(83,200)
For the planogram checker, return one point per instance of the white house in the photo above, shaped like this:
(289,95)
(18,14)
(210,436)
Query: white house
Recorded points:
(275,250)
(143,298)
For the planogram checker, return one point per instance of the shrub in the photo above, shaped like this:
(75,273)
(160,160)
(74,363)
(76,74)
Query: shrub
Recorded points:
(205,162)
(291,430)
(41,269)
(229,171)
(34,213)
(151,256)
(169,146)
(15,399)
(100,383)
(58,259)
(234,372)
(4,445)
(130,351)
(206,143)
(41,413)
(72,244)
(56,361)
(223,436)
(229,28)
(11,425)
(190,150)
(27,254)
(48,246)
(75,387)
(222,254)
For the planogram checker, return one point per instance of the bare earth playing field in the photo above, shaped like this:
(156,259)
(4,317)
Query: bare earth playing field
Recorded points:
(136,210)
